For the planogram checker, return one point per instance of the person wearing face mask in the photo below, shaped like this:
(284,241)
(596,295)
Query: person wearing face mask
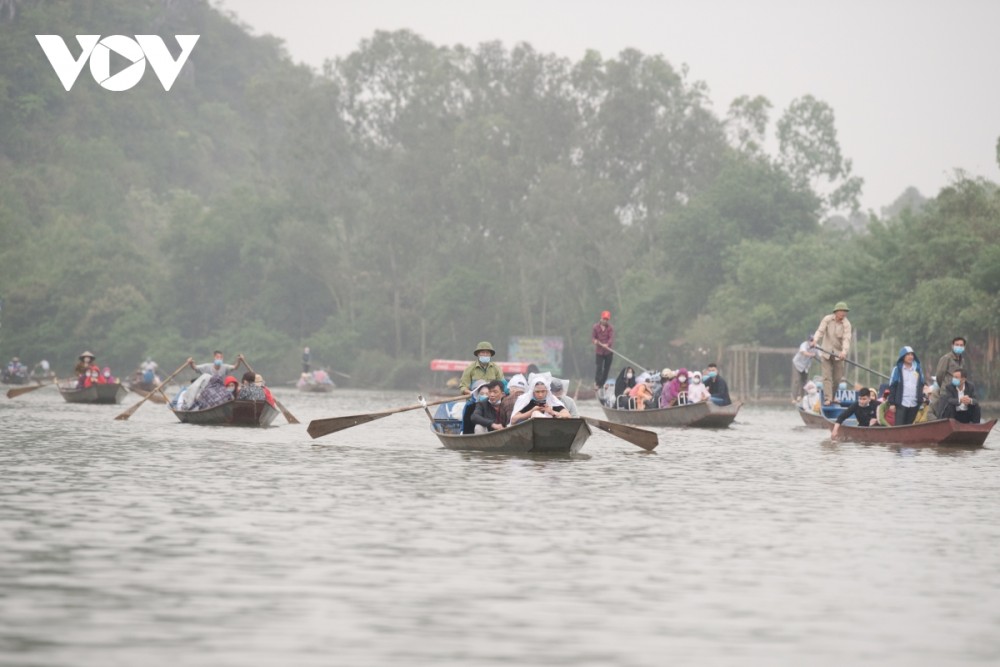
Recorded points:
(483,368)
(539,403)
(623,384)
(697,392)
(716,386)
(107,377)
(958,399)
(217,366)
(676,391)
(485,416)
(947,364)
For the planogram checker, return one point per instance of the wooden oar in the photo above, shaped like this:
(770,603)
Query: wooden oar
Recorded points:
(320,427)
(637,436)
(644,370)
(289,417)
(19,391)
(864,368)
(128,413)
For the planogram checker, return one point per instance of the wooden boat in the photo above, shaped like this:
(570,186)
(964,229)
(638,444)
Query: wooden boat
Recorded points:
(936,432)
(533,436)
(698,415)
(103,394)
(144,389)
(316,387)
(231,413)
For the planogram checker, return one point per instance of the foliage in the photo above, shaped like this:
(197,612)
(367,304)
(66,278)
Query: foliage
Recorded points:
(414,198)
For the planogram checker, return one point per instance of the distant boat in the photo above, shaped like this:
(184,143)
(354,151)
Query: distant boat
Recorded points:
(145,389)
(230,413)
(315,382)
(697,415)
(936,432)
(532,436)
(102,394)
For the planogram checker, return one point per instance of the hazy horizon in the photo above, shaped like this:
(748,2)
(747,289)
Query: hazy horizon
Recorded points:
(909,82)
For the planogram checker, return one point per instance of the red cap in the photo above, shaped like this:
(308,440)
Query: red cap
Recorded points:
(606,315)
(230,380)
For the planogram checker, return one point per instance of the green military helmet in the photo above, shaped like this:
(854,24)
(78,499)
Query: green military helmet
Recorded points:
(841,305)
(485,346)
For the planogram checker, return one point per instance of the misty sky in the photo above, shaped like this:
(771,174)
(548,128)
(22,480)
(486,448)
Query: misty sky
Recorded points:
(913,83)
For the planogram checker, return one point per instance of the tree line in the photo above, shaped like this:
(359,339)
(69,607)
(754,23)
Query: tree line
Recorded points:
(411,199)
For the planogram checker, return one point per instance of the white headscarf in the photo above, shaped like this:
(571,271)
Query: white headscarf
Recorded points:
(525,398)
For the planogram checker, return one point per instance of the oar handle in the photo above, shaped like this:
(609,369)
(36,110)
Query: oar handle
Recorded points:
(128,413)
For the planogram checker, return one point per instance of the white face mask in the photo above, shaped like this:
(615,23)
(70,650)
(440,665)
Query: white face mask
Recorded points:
(484,358)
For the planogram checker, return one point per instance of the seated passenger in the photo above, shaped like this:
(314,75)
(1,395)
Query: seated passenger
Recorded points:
(516,386)
(697,391)
(259,381)
(214,393)
(249,391)
(811,400)
(958,399)
(478,392)
(95,373)
(676,391)
(232,385)
(485,416)
(107,376)
(641,395)
(623,384)
(862,409)
(717,386)
(558,388)
(539,403)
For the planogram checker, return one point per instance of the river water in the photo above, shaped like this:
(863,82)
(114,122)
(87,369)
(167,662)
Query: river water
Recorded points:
(150,542)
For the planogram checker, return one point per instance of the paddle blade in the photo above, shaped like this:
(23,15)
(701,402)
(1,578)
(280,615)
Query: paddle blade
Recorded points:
(637,436)
(18,391)
(320,427)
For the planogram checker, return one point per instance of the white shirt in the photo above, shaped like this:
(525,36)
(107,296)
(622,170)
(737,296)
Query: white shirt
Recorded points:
(909,387)
(961,405)
(801,360)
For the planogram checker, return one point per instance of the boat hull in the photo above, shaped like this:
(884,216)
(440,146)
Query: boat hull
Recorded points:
(316,388)
(696,415)
(230,413)
(534,436)
(937,432)
(100,394)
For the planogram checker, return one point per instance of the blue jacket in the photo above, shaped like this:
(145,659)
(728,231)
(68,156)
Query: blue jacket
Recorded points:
(896,378)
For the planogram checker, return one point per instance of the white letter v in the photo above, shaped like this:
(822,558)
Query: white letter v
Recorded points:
(67,69)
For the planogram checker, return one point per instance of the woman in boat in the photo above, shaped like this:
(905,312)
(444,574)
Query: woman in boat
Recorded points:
(641,395)
(697,391)
(539,403)
(623,384)
(86,360)
(232,385)
(811,400)
(676,391)
(107,377)
(863,409)
(259,381)
(249,390)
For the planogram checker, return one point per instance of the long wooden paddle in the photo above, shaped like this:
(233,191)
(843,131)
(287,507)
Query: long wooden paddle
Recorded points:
(128,413)
(289,417)
(320,427)
(20,391)
(637,436)
(644,370)
(864,368)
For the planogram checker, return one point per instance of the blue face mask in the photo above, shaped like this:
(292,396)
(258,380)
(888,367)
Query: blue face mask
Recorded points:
(483,398)
(956,381)
(958,349)
(842,386)
(710,375)
(484,358)
(218,362)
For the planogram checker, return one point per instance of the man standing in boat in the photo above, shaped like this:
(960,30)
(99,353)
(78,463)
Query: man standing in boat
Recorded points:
(833,342)
(603,336)
(483,368)
(217,366)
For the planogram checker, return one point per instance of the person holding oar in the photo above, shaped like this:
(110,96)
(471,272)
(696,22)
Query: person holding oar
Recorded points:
(833,334)
(603,335)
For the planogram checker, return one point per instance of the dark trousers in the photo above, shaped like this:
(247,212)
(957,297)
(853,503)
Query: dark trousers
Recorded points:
(970,416)
(799,379)
(905,416)
(603,368)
